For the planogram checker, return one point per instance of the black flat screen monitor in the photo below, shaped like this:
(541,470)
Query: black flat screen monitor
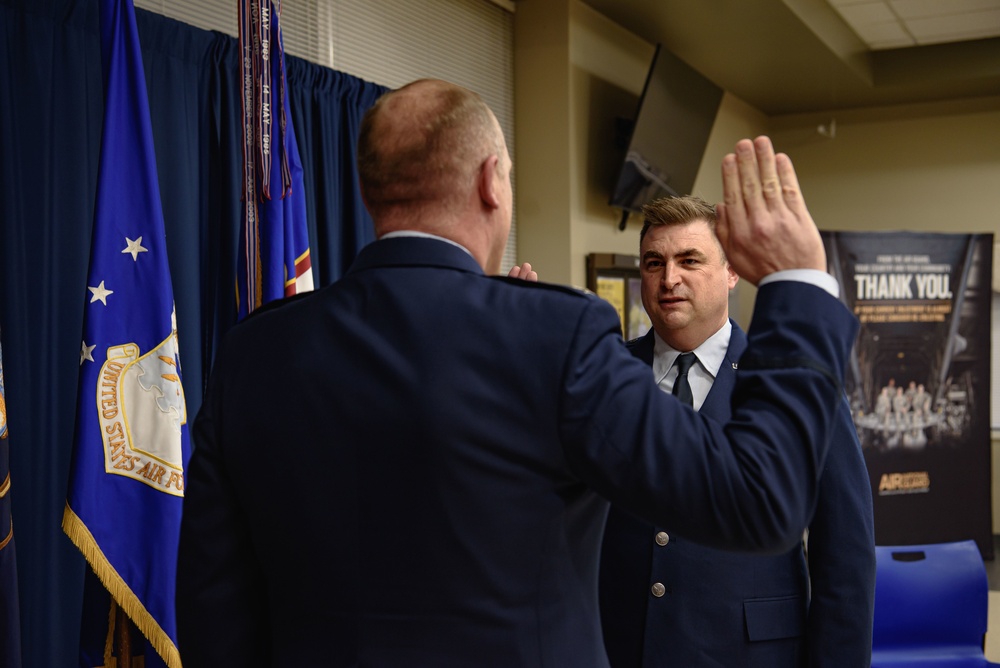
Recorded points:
(669,134)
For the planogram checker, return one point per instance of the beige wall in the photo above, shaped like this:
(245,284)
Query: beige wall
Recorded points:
(542,140)
(931,167)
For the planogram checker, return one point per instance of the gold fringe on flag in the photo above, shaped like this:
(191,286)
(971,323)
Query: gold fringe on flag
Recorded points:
(78,532)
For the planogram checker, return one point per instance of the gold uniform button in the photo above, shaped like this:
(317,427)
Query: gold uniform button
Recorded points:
(658,589)
(662,538)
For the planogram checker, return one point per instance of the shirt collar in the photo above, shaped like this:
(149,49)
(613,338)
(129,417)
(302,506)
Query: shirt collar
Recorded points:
(711,353)
(423,235)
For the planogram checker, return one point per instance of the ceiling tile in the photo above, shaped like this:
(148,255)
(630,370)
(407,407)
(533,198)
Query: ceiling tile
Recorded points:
(915,9)
(919,22)
(972,25)
(885,34)
(869,12)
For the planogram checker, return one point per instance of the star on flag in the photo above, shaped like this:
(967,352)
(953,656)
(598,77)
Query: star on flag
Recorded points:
(135,247)
(100,292)
(85,352)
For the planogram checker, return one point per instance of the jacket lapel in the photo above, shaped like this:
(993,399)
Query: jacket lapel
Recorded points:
(717,405)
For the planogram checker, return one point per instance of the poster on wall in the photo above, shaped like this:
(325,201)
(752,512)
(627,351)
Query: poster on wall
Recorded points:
(919,379)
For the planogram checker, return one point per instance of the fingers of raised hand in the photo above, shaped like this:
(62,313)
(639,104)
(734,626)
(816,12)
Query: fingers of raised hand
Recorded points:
(524,272)
(732,188)
(749,171)
(767,172)
(763,224)
(722,225)
(790,192)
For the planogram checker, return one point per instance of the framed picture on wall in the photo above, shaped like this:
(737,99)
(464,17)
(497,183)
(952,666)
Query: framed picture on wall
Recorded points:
(615,278)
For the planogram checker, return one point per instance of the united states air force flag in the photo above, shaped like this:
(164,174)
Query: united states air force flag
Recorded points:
(274,257)
(131,445)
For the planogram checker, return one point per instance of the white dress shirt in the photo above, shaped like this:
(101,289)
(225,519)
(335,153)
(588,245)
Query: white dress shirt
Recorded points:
(711,355)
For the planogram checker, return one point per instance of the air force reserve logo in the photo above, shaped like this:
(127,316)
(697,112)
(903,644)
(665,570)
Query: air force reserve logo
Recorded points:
(141,408)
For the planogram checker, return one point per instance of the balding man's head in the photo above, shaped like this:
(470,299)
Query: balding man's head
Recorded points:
(421,147)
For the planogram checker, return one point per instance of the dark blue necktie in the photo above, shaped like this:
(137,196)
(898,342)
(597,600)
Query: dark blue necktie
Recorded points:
(682,388)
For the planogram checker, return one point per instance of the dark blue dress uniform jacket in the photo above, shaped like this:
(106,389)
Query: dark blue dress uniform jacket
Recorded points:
(411,467)
(732,610)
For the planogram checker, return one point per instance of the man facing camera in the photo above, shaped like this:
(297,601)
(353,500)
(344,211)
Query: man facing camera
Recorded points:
(668,602)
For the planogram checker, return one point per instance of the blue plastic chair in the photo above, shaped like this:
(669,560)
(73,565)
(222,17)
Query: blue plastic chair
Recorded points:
(931,605)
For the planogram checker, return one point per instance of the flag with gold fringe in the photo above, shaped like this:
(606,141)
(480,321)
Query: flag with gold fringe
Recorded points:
(131,444)
(10,616)
(273,259)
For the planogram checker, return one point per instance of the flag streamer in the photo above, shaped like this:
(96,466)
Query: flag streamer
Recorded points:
(273,261)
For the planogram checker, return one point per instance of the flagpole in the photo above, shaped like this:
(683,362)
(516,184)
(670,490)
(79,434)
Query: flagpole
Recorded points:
(123,637)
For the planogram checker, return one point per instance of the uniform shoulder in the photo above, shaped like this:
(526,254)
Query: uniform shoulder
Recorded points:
(278,304)
(555,288)
(273,313)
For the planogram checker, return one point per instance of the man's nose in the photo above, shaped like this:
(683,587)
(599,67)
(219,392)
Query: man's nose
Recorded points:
(671,275)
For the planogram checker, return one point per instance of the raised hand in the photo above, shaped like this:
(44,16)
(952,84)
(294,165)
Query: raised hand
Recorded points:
(763,224)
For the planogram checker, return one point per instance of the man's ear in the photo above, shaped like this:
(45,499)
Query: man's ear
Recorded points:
(487,183)
(733,278)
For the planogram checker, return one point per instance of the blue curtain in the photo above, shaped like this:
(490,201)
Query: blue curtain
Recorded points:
(51,109)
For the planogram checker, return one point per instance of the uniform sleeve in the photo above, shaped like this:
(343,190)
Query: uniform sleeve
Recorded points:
(748,485)
(842,556)
(218,577)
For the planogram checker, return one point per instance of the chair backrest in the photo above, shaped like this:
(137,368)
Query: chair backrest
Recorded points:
(930,598)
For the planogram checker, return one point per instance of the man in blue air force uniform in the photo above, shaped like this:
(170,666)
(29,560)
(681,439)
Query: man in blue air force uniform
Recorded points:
(667,602)
(412,467)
